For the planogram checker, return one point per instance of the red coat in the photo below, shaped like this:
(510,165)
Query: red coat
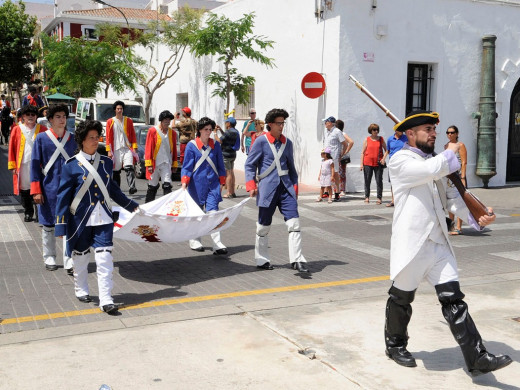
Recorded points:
(153,143)
(128,126)
(16,148)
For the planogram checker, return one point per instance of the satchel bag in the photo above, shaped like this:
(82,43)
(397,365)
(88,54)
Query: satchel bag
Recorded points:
(381,154)
(345,159)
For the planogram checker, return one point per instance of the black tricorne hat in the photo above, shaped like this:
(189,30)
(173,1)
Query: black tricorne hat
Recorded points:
(417,118)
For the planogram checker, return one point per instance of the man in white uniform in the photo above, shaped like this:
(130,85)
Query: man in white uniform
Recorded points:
(420,247)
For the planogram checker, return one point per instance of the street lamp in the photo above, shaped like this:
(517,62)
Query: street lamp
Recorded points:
(121,12)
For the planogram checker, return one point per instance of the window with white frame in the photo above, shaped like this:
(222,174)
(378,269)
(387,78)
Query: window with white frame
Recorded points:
(242,110)
(89,32)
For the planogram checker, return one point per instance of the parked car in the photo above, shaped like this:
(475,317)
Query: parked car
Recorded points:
(141,131)
(71,123)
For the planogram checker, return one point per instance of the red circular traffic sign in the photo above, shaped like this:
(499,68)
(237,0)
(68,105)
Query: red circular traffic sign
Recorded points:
(313,85)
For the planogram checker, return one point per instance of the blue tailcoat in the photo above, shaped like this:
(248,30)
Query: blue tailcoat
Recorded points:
(204,181)
(72,177)
(260,158)
(47,185)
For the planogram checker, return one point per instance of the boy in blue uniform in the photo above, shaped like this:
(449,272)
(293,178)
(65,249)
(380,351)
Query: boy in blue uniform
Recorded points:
(50,151)
(84,213)
(272,157)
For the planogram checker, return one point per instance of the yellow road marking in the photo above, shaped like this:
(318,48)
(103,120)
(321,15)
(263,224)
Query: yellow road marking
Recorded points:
(176,301)
(515,215)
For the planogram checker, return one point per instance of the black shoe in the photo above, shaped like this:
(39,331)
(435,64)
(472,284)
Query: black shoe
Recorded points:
(401,356)
(85,299)
(27,218)
(299,266)
(222,251)
(233,195)
(70,271)
(266,266)
(132,190)
(336,197)
(200,249)
(489,362)
(51,267)
(110,309)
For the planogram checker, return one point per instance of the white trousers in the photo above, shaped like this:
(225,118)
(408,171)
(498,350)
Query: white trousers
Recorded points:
(162,171)
(104,270)
(49,248)
(434,261)
(122,158)
(294,242)
(215,238)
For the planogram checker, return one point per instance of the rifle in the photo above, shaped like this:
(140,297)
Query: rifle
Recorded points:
(475,206)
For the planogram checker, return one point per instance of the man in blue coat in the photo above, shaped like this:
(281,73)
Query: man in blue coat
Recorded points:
(275,186)
(84,213)
(50,151)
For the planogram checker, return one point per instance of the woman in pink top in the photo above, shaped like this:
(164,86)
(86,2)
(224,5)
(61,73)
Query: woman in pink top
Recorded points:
(372,161)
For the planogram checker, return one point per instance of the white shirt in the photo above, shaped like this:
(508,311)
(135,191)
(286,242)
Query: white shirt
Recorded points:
(334,139)
(29,139)
(119,136)
(99,216)
(164,155)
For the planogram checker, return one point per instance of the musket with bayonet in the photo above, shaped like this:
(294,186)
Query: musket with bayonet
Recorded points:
(475,206)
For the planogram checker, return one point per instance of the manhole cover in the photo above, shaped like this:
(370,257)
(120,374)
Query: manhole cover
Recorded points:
(367,218)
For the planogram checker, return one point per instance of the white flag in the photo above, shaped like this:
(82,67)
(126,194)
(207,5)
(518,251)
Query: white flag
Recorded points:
(174,217)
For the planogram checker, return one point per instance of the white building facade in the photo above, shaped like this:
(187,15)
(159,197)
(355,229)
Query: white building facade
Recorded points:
(383,44)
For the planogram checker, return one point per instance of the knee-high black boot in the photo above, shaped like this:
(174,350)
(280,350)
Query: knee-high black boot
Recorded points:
(130,179)
(167,188)
(27,204)
(398,314)
(150,193)
(116,175)
(455,311)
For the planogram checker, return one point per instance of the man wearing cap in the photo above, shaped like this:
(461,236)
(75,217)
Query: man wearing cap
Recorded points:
(230,142)
(160,156)
(270,165)
(335,140)
(420,246)
(122,145)
(187,129)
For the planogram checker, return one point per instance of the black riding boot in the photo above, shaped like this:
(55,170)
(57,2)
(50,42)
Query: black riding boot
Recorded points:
(27,204)
(167,188)
(150,193)
(130,179)
(398,314)
(116,176)
(455,311)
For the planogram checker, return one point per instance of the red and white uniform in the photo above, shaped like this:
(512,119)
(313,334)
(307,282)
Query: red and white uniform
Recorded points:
(160,153)
(120,138)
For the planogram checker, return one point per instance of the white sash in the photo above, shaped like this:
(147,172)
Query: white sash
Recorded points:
(94,175)
(204,157)
(275,163)
(127,143)
(59,150)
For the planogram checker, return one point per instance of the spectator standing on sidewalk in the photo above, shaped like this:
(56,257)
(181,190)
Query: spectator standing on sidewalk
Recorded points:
(259,131)
(19,157)
(230,142)
(247,131)
(122,145)
(326,174)
(84,213)
(187,129)
(462,156)
(6,120)
(202,175)
(394,144)
(52,148)
(270,166)
(420,245)
(344,160)
(335,140)
(372,161)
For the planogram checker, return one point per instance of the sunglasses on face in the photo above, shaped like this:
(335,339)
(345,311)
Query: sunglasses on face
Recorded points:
(376,130)
(450,132)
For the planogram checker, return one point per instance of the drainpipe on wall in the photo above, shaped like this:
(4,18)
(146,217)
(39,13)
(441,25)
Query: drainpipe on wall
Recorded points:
(487,115)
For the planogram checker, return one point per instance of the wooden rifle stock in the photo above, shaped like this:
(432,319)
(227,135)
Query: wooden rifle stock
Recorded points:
(474,205)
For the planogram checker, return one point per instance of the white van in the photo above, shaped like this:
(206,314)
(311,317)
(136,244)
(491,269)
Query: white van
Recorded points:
(101,110)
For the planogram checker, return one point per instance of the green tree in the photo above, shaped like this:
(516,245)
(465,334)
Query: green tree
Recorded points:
(229,40)
(173,37)
(17,31)
(84,67)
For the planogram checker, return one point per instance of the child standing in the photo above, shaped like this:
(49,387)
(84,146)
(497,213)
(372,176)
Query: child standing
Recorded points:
(326,174)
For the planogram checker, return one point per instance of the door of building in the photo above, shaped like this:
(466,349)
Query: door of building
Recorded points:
(513,148)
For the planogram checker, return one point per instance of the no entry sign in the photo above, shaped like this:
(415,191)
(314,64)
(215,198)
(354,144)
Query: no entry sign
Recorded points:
(313,85)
